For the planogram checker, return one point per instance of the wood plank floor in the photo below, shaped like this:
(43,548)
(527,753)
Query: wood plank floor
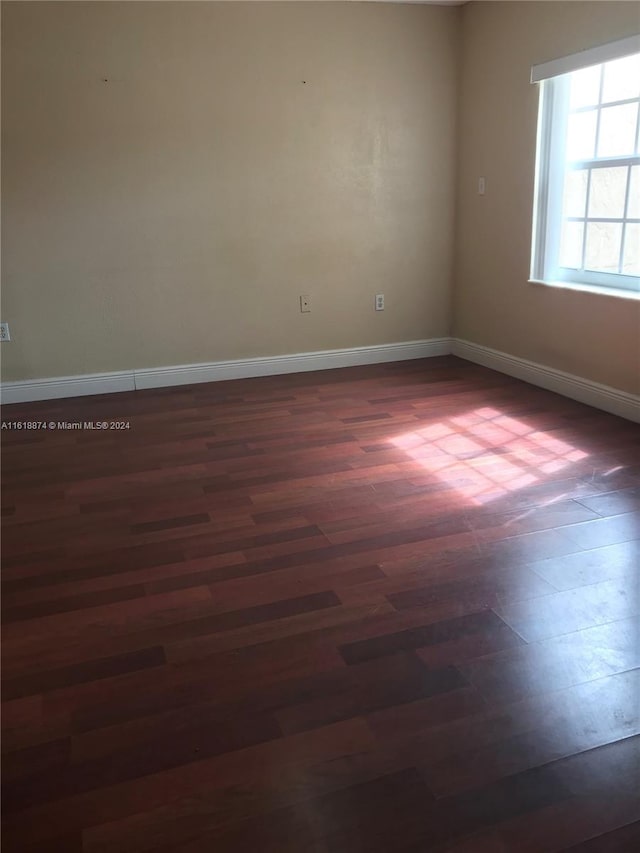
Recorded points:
(388,608)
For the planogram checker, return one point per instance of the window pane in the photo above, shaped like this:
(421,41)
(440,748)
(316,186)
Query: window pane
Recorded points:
(581,135)
(585,87)
(608,190)
(574,201)
(571,245)
(617,130)
(631,260)
(603,246)
(633,211)
(621,79)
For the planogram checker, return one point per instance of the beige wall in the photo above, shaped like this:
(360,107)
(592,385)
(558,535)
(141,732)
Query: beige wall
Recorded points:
(593,336)
(174,213)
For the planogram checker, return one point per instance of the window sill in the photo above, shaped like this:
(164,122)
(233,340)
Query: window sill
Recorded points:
(616,293)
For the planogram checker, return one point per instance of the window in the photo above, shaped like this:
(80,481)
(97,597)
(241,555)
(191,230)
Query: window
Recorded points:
(587,216)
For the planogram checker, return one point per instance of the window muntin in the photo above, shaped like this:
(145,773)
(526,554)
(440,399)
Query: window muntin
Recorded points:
(588,200)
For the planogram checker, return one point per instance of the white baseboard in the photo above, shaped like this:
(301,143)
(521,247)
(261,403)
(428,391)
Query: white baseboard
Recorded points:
(592,393)
(575,387)
(67,386)
(298,363)
(160,377)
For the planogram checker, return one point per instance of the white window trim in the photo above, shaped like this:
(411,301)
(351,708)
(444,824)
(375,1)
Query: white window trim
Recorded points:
(614,292)
(592,56)
(550,159)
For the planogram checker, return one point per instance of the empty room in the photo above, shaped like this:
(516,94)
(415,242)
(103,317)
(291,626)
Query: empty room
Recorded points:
(320,343)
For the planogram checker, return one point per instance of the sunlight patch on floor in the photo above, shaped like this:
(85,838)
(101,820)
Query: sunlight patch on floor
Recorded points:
(485,454)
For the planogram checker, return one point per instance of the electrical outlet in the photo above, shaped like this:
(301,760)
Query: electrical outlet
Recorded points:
(482,186)
(305,304)
(380,302)
(4,332)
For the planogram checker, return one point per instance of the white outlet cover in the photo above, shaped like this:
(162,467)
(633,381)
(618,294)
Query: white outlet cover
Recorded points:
(5,335)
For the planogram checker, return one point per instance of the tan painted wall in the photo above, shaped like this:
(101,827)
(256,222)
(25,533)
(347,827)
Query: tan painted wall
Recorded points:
(593,336)
(174,213)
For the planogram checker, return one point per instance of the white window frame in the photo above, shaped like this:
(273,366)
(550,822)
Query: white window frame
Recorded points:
(554,79)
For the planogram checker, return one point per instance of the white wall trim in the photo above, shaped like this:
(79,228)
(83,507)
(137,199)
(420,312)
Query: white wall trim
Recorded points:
(594,394)
(575,387)
(297,363)
(66,386)
(186,374)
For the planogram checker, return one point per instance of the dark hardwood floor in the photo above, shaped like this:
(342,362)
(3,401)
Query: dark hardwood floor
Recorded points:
(379,609)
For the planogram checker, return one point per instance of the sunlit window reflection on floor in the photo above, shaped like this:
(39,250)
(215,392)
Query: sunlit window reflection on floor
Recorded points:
(485,454)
